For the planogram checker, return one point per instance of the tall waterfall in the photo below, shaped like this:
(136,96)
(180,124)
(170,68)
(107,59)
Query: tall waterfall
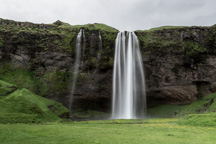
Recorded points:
(76,65)
(129,95)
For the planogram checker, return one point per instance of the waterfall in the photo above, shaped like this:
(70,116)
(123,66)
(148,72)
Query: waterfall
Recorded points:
(76,65)
(99,49)
(83,53)
(82,47)
(129,95)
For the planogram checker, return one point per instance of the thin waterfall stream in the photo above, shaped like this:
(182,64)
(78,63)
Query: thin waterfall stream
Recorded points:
(76,65)
(79,62)
(100,46)
(129,95)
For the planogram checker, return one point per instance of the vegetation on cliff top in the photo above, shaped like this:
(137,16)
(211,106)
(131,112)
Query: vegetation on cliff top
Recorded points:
(163,27)
(70,31)
(188,41)
(95,26)
(66,33)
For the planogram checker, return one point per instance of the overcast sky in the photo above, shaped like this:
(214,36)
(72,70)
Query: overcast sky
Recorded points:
(122,14)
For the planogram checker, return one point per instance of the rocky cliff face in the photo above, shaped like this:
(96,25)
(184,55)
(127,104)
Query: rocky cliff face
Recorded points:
(179,62)
(41,58)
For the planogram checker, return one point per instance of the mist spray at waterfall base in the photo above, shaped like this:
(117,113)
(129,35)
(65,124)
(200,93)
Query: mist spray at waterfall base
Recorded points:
(129,95)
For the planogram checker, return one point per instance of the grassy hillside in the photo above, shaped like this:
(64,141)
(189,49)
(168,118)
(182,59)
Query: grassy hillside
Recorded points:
(203,105)
(6,88)
(23,106)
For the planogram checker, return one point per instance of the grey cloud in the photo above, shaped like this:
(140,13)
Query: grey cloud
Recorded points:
(121,14)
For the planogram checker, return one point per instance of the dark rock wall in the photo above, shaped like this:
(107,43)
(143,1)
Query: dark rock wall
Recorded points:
(180,64)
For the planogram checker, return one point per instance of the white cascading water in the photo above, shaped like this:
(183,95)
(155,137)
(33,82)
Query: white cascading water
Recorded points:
(82,49)
(129,95)
(99,49)
(76,66)
(83,53)
(83,46)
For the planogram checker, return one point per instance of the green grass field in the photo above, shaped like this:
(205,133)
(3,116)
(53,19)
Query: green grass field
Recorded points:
(150,131)
(27,118)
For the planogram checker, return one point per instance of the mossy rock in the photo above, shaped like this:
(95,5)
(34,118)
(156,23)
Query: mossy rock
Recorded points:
(42,83)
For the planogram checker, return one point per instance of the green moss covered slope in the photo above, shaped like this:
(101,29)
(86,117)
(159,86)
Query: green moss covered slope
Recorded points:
(203,120)
(6,88)
(23,106)
(41,83)
(202,106)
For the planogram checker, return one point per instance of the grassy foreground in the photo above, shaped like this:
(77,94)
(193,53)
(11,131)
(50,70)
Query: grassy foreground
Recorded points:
(151,131)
